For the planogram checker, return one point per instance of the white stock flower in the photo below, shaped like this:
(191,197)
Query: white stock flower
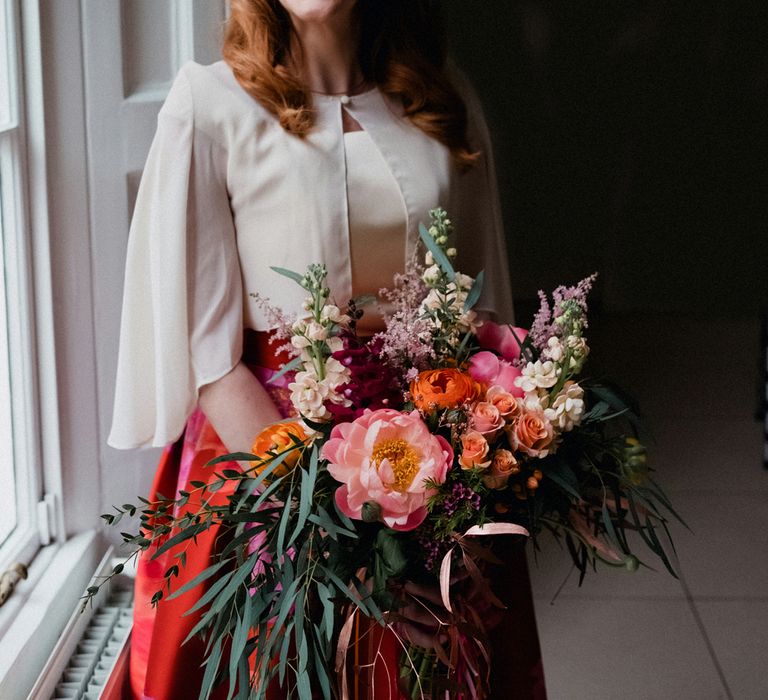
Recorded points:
(464,282)
(299,326)
(568,407)
(431,275)
(579,348)
(332,313)
(429,259)
(537,375)
(316,331)
(308,395)
(536,400)
(300,342)
(433,300)
(335,373)
(554,350)
(335,343)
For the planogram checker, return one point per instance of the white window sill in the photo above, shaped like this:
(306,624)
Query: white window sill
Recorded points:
(35,615)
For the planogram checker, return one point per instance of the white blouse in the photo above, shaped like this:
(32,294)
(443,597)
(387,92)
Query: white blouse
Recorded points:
(378,223)
(226,193)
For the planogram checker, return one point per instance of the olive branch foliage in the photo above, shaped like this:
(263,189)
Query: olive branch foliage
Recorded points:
(286,610)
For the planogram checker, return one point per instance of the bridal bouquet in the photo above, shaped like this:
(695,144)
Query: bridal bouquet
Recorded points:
(409,453)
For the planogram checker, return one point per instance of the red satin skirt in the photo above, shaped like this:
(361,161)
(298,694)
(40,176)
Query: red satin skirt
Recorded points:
(162,668)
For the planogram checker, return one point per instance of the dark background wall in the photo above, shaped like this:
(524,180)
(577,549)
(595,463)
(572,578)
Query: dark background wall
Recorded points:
(631,139)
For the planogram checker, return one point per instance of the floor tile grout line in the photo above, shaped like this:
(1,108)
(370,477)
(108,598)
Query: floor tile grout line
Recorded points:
(703,630)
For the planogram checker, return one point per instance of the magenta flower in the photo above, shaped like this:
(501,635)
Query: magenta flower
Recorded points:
(485,367)
(503,339)
(383,459)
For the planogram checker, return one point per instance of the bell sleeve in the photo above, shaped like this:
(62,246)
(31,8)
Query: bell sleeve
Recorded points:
(476,214)
(182,314)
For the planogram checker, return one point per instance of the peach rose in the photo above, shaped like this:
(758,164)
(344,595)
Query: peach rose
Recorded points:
(531,433)
(507,405)
(442,388)
(474,451)
(277,438)
(503,465)
(486,419)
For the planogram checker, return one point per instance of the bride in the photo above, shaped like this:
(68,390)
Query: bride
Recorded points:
(326,134)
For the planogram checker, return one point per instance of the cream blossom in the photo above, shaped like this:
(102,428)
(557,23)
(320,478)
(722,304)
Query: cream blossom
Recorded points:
(554,350)
(332,313)
(316,331)
(567,409)
(431,275)
(538,375)
(308,395)
(300,341)
(335,343)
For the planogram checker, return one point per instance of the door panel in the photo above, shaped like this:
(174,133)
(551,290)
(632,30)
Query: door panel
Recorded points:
(132,50)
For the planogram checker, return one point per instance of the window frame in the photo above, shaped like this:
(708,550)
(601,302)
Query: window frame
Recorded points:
(25,539)
(34,396)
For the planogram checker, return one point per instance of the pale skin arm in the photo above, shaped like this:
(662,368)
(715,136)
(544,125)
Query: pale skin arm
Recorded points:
(238,407)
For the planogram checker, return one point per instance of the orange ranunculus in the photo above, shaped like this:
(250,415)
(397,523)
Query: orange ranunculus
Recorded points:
(277,438)
(448,387)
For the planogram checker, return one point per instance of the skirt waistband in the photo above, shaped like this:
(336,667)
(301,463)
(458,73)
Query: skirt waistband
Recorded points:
(257,350)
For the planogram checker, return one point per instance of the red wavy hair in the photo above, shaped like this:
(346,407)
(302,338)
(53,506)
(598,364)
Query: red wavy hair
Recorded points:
(402,51)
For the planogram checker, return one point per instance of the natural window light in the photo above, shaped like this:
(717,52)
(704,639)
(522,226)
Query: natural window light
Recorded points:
(19,474)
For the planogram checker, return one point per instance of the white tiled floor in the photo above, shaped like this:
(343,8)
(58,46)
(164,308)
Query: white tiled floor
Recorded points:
(645,636)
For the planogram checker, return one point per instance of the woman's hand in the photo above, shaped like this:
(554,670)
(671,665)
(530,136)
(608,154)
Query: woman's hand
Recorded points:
(238,407)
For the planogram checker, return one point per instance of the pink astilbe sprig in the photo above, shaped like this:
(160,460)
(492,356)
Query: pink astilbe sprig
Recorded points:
(568,313)
(279,322)
(406,342)
(541,328)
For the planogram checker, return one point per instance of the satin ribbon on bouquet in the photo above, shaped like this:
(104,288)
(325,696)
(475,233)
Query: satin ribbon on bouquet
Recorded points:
(472,568)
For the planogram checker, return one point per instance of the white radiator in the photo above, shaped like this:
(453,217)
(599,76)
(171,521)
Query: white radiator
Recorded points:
(90,659)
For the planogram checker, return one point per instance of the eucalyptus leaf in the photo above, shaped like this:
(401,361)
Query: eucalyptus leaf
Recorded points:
(287,367)
(290,274)
(475,292)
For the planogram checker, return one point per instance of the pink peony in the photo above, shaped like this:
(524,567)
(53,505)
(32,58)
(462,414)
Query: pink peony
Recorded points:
(489,369)
(383,458)
(501,338)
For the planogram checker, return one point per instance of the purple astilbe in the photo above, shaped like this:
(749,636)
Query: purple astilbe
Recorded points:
(541,328)
(570,303)
(372,384)
(576,295)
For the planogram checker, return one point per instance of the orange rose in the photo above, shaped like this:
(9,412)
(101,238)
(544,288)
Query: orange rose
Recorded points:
(442,388)
(531,433)
(474,451)
(503,465)
(277,438)
(508,405)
